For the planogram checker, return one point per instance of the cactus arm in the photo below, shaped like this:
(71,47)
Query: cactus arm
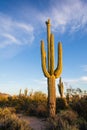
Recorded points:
(61,87)
(58,70)
(52,54)
(48,41)
(43,59)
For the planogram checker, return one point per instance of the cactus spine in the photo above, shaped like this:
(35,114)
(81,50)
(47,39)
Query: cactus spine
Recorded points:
(49,71)
(61,87)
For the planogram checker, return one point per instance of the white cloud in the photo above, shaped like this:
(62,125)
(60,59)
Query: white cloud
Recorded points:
(15,32)
(66,14)
(26,27)
(76,80)
(80,82)
(11,38)
(84,67)
(84,78)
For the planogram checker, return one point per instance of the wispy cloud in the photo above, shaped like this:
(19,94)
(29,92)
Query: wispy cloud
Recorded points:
(84,79)
(26,27)
(66,14)
(81,79)
(84,68)
(80,82)
(11,39)
(15,32)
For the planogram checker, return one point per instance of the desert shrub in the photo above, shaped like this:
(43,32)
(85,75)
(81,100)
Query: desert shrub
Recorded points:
(60,123)
(80,107)
(3,100)
(4,112)
(22,103)
(82,124)
(11,109)
(31,110)
(37,109)
(61,104)
(39,97)
(9,121)
(55,123)
(70,116)
(41,111)
(13,100)
(37,105)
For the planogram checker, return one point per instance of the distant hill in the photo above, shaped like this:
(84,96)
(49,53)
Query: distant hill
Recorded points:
(4,95)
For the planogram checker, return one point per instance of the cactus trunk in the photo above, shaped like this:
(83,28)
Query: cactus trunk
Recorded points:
(52,96)
(48,68)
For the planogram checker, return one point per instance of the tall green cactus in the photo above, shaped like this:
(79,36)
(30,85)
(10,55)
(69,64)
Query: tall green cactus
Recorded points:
(61,87)
(49,71)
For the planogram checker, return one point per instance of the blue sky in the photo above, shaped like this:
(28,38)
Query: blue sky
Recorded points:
(22,27)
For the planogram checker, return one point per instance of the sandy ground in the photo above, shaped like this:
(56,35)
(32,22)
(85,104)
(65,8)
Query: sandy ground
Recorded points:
(34,122)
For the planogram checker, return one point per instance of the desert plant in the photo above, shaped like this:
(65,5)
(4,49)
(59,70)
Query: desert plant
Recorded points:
(37,105)
(80,106)
(51,74)
(61,104)
(60,123)
(26,92)
(61,87)
(9,121)
(20,92)
(82,124)
(3,100)
(39,96)
(41,111)
(70,116)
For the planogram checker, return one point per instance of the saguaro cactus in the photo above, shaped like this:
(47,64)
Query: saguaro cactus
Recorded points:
(61,87)
(49,71)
